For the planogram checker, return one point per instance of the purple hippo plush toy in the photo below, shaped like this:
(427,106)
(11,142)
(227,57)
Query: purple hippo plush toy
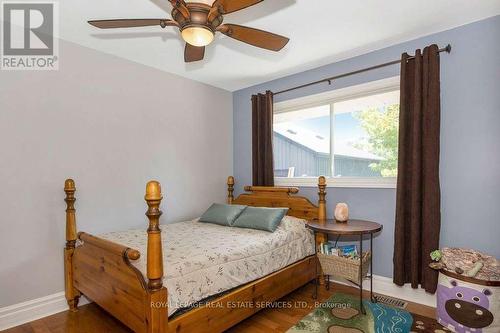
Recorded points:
(463,309)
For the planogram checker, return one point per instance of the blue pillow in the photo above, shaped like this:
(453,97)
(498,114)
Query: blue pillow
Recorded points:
(260,218)
(222,214)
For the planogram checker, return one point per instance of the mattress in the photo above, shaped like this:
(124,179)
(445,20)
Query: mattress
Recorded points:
(204,259)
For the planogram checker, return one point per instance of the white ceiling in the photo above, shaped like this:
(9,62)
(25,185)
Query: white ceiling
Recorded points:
(337,30)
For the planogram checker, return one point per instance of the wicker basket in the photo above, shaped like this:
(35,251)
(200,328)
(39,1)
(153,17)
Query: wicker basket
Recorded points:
(346,268)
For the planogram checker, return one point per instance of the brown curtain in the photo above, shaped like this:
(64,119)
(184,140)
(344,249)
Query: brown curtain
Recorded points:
(262,139)
(418,214)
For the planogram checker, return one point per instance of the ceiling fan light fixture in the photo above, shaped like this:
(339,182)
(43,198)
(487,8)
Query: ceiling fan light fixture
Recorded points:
(197,35)
(199,21)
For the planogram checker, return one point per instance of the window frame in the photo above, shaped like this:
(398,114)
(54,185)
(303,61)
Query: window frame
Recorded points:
(330,98)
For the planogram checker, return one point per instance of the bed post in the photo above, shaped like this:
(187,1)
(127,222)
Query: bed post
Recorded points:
(230,189)
(321,237)
(322,195)
(155,258)
(72,295)
(158,306)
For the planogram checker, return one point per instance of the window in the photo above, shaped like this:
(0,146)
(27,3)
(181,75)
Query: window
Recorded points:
(349,136)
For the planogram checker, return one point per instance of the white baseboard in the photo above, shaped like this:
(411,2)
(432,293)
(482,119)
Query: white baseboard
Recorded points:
(21,313)
(25,312)
(384,285)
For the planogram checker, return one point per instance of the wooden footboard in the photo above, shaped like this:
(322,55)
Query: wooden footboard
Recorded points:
(101,270)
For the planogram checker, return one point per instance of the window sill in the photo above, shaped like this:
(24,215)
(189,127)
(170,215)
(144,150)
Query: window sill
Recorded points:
(342,182)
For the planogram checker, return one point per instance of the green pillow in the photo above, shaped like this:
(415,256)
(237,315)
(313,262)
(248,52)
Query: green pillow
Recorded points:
(261,218)
(222,214)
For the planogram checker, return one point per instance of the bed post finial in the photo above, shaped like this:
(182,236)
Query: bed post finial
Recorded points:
(230,189)
(154,256)
(322,200)
(72,295)
(69,188)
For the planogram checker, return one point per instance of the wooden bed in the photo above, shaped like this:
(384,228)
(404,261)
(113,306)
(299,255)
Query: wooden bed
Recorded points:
(102,270)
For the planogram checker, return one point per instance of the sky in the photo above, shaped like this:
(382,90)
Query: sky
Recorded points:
(347,128)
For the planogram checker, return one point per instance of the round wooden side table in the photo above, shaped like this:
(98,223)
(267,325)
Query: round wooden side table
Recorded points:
(349,228)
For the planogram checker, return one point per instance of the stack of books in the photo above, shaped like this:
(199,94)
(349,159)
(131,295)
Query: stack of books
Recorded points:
(329,248)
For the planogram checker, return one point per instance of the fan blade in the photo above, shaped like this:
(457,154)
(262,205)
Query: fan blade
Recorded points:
(181,6)
(255,37)
(193,53)
(131,23)
(229,6)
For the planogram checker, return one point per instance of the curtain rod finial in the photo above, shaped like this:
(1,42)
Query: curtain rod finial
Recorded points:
(448,48)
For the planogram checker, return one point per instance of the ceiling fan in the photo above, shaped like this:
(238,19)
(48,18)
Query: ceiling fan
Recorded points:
(198,22)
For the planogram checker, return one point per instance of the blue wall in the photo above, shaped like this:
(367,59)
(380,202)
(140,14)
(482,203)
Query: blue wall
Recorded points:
(470,138)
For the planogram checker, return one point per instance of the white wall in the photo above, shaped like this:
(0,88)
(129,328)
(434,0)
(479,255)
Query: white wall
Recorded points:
(111,125)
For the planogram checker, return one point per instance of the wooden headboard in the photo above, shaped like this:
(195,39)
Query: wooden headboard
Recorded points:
(263,196)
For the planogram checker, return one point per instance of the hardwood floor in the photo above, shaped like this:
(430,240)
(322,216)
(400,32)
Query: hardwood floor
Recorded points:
(92,319)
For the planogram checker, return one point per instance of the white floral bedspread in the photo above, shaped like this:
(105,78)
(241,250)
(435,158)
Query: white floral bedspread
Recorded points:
(204,259)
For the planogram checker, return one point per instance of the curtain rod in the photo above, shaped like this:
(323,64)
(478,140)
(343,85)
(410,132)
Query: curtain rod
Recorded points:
(446,49)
